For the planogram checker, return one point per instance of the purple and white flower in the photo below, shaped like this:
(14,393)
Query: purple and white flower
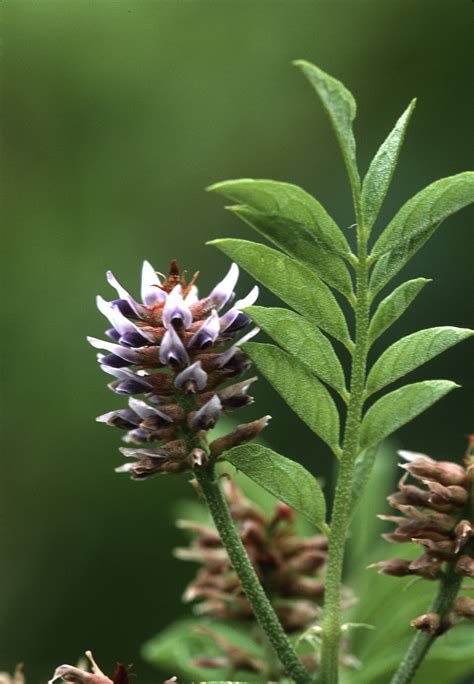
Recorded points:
(173,349)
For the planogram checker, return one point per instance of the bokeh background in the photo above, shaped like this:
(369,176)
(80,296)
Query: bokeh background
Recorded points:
(116,116)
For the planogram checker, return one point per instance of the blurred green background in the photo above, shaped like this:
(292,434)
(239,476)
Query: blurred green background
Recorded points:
(116,115)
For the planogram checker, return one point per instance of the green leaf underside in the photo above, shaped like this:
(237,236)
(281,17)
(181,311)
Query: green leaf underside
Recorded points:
(301,390)
(389,264)
(296,284)
(298,242)
(362,472)
(285,479)
(394,305)
(381,169)
(341,108)
(284,201)
(400,407)
(426,209)
(412,351)
(301,339)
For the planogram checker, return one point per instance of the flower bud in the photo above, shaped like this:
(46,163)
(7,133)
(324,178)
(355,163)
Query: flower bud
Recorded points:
(429,623)
(242,434)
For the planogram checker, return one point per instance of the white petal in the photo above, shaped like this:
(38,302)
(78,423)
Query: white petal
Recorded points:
(123,294)
(150,289)
(222,292)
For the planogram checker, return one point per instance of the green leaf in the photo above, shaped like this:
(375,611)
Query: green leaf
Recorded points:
(175,649)
(294,283)
(303,393)
(399,407)
(381,169)
(341,107)
(297,241)
(392,307)
(426,209)
(285,479)
(286,202)
(412,351)
(389,264)
(303,340)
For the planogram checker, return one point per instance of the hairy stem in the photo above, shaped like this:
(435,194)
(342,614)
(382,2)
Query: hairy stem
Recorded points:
(341,512)
(240,561)
(422,641)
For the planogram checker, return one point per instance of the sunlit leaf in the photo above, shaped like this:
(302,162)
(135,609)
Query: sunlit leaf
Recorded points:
(285,479)
(294,283)
(379,175)
(301,390)
(341,108)
(279,202)
(393,306)
(400,407)
(301,244)
(425,210)
(302,339)
(412,351)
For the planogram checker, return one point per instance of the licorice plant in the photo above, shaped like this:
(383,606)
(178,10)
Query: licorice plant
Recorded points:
(179,351)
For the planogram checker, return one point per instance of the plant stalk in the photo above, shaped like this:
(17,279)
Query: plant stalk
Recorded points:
(422,641)
(341,512)
(261,606)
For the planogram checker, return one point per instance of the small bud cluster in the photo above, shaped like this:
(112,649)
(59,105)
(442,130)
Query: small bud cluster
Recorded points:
(438,517)
(289,567)
(170,349)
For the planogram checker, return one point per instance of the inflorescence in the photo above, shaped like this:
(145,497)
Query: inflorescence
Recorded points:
(171,348)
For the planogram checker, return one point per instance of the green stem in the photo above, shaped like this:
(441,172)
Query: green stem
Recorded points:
(243,567)
(341,512)
(422,641)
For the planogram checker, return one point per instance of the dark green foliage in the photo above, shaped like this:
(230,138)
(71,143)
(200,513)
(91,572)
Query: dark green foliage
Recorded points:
(286,480)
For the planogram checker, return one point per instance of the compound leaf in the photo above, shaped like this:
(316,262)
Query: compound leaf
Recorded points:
(412,351)
(427,209)
(283,202)
(381,169)
(303,340)
(400,407)
(393,306)
(301,390)
(301,244)
(294,283)
(341,107)
(287,480)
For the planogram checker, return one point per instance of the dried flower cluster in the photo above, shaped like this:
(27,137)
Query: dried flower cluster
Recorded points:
(289,567)
(170,349)
(80,674)
(438,517)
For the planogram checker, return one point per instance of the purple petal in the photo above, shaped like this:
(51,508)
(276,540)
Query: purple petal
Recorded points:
(172,350)
(223,358)
(144,411)
(123,418)
(223,291)
(192,374)
(150,290)
(138,436)
(230,316)
(176,312)
(123,294)
(207,333)
(208,415)
(113,361)
(113,334)
(111,311)
(129,355)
